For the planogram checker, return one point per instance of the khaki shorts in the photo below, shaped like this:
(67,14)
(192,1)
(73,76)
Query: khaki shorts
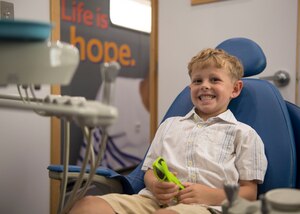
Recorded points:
(125,204)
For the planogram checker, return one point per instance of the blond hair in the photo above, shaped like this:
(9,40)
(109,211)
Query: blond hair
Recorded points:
(219,59)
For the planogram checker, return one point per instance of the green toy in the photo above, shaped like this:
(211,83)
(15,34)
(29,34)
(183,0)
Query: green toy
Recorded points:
(162,172)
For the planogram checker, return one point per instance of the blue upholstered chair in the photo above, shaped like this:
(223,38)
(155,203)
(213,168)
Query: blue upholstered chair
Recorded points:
(259,105)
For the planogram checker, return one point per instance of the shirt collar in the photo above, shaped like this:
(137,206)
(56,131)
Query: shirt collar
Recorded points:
(226,116)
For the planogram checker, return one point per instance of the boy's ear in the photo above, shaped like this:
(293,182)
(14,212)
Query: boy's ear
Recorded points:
(238,85)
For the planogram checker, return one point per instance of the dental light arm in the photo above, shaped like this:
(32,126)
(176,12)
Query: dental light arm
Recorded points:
(109,72)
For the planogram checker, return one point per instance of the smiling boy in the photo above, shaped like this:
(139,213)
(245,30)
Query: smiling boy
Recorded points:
(206,148)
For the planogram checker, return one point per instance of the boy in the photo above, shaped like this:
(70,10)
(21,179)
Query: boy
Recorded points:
(206,148)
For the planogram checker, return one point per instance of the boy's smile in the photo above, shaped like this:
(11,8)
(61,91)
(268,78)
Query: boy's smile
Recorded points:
(204,97)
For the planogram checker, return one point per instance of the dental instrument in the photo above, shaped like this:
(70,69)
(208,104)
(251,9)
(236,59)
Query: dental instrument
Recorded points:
(43,62)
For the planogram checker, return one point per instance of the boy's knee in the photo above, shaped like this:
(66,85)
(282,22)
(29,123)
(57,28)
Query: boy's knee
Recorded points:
(88,205)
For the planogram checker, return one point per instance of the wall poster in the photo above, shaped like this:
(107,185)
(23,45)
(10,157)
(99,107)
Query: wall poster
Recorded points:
(86,24)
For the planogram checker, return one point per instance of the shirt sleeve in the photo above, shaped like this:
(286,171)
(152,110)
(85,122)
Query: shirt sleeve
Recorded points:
(251,161)
(156,146)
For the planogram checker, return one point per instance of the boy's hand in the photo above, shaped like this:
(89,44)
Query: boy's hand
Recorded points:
(199,193)
(196,193)
(164,192)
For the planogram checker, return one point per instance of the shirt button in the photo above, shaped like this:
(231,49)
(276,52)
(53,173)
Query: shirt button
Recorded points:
(190,163)
(199,126)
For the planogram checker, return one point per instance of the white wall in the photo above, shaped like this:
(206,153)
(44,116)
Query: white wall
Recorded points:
(184,30)
(25,141)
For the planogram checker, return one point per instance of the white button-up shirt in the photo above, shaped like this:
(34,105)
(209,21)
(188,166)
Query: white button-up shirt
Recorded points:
(210,152)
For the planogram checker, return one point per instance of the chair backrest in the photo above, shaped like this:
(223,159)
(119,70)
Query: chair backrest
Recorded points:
(294,112)
(259,105)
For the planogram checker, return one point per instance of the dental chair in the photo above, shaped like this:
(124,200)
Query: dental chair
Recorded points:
(259,105)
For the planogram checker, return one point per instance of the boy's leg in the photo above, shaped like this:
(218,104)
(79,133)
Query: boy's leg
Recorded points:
(91,205)
(115,203)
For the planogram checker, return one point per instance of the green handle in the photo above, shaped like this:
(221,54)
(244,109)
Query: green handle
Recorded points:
(162,172)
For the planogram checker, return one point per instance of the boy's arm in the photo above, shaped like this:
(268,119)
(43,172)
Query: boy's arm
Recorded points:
(149,179)
(248,190)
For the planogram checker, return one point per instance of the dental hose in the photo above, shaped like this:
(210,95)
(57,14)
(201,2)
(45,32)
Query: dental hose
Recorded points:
(78,183)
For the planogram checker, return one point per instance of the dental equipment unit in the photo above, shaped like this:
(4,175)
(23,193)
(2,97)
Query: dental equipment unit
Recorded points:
(43,62)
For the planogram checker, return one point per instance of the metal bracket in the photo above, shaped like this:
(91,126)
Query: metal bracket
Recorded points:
(280,78)
(6,10)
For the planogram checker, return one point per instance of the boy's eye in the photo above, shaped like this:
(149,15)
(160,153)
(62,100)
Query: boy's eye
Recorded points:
(215,79)
(197,81)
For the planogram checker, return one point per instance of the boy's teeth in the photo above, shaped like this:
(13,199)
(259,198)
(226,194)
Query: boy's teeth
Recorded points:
(206,97)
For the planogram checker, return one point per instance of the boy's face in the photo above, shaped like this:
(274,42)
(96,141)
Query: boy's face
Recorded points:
(212,89)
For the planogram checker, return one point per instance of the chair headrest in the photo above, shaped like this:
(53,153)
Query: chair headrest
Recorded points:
(248,52)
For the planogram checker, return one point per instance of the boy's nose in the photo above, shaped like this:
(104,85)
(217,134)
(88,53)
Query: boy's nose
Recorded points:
(205,86)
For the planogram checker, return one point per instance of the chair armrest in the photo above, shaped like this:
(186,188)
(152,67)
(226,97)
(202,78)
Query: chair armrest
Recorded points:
(101,179)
